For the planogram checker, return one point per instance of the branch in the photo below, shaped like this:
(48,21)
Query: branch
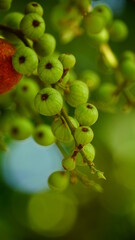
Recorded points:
(90,164)
(16,32)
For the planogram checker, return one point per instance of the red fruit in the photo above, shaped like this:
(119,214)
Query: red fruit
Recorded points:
(8,76)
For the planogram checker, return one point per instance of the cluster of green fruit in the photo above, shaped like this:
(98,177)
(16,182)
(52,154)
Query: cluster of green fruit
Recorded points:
(47,87)
(69,16)
(72,18)
(49,103)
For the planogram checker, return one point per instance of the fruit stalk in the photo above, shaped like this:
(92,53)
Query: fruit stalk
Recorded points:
(18,33)
(90,165)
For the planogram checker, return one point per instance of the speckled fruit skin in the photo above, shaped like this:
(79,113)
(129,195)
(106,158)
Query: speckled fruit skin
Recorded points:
(31,31)
(51,105)
(86,114)
(83,135)
(8,76)
(78,93)
(61,130)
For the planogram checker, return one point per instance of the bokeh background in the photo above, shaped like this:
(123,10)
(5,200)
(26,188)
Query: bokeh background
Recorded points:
(28,210)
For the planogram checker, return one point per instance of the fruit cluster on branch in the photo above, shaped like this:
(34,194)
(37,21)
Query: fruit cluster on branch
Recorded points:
(38,87)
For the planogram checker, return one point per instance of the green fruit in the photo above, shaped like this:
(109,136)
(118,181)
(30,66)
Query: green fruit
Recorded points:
(27,89)
(13,20)
(20,128)
(83,135)
(34,7)
(45,45)
(91,78)
(58,180)
(99,38)
(68,163)
(48,102)
(58,13)
(67,60)
(106,91)
(33,26)
(104,12)
(89,151)
(84,6)
(25,60)
(94,23)
(128,55)
(78,93)
(118,31)
(64,80)
(79,160)
(5,4)
(43,135)
(74,122)
(50,69)
(86,114)
(127,68)
(61,130)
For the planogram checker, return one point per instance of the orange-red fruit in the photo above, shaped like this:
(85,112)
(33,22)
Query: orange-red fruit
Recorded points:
(8,76)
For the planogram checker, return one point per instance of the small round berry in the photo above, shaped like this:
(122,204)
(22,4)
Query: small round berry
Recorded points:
(104,12)
(106,92)
(127,68)
(20,128)
(48,102)
(5,4)
(58,180)
(86,114)
(50,69)
(8,75)
(78,93)
(67,60)
(118,31)
(13,20)
(99,38)
(68,163)
(94,23)
(74,122)
(33,26)
(84,6)
(79,160)
(25,60)
(128,55)
(83,135)
(89,151)
(27,89)
(34,7)
(43,135)
(91,78)
(58,13)
(45,45)
(61,130)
